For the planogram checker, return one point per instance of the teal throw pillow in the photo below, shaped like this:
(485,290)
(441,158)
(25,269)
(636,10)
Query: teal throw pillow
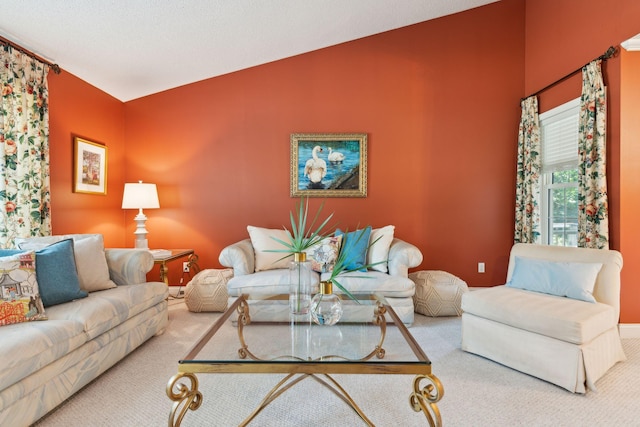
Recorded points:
(56,273)
(574,280)
(355,245)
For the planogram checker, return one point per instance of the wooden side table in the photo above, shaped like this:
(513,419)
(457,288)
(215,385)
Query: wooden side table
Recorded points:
(190,254)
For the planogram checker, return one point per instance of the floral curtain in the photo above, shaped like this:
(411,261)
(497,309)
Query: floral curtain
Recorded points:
(593,215)
(529,165)
(24,147)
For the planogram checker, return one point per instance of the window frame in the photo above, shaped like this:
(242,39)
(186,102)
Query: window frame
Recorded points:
(547,186)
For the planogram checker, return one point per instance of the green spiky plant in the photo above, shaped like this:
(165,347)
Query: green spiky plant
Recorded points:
(302,237)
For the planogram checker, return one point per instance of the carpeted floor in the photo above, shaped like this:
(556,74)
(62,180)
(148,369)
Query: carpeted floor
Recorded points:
(478,392)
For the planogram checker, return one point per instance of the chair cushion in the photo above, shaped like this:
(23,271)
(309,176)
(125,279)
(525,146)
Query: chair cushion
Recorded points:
(263,241)
(378,253)
(562,318)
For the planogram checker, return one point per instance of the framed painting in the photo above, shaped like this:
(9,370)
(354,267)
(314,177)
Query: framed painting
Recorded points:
(329,164)
(89,167)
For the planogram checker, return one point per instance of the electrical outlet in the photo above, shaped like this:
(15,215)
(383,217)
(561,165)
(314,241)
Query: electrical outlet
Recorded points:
(185,267)
(481,267)
(181,292)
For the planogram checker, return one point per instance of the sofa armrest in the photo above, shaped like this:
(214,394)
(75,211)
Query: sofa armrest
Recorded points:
(402,257)
(129,266)
(239,256)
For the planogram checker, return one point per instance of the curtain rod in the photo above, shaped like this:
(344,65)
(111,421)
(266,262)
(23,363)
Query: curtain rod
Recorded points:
(608,54)
(54,67)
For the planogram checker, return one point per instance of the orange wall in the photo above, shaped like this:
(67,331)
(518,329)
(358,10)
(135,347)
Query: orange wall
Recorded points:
(440,168)
(438,100)
(630,188)
(79,109)
(557,44)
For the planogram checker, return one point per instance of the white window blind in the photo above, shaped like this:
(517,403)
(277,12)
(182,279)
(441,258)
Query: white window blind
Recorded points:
(560,137)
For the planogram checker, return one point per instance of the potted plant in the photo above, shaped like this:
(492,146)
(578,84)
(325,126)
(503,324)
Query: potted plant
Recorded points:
(301,238)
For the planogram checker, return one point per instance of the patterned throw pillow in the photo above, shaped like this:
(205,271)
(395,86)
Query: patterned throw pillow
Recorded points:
(19,295)
(323,255)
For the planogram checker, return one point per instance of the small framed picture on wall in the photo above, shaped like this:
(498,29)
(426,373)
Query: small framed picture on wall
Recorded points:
(89,167)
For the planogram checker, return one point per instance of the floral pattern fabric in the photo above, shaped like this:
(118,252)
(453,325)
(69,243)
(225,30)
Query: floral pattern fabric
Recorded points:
(24,147)
(529,165)
(593,215)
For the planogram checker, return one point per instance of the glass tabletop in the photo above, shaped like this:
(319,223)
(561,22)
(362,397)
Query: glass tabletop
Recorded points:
(375,342)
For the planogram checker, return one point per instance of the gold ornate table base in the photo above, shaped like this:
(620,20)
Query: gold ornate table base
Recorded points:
(190,398)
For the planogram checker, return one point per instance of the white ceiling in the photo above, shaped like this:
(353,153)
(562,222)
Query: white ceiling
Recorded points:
(133,48)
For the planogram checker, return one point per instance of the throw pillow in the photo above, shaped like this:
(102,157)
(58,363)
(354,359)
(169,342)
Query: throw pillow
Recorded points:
(323,255)
(565,279)
(378,253)
(355,245)
(91,261)
(262,242)
(56,271)
(19,295)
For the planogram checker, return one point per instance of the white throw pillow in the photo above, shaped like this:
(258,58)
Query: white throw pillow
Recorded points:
(379,251)
(261,241)
(91,261)
(565,279)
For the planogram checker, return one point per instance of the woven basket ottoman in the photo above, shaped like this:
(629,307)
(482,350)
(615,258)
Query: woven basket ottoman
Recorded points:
(207,291)
(438,293)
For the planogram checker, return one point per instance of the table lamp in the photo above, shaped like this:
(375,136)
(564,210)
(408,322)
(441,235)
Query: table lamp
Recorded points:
(140,196)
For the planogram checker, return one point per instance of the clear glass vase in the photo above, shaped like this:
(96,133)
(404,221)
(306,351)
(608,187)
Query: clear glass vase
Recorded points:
(326,307)
(300,280)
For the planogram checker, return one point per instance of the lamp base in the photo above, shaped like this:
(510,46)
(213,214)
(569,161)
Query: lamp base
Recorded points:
(141,243)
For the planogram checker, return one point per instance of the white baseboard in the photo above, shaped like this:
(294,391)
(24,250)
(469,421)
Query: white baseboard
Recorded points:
(629,330)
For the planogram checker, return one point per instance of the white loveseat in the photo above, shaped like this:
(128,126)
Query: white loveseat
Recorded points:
(564,340)
(393,282)
(45,362)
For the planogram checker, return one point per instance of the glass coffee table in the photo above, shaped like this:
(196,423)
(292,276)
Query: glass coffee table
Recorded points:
(301,349)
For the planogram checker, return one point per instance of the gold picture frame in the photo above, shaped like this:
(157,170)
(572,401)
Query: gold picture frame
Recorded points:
(89,167)
(337,168)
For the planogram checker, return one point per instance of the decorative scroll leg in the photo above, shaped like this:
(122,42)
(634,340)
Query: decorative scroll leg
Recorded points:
(425,399)
(185,398)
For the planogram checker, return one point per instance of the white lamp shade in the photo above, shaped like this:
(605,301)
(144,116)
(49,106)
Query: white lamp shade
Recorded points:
(140,196)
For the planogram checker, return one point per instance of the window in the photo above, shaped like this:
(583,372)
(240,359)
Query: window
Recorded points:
(559,192)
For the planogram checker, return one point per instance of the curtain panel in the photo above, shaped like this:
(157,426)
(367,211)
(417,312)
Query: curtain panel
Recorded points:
(593,215)
(529,165)
(24,141)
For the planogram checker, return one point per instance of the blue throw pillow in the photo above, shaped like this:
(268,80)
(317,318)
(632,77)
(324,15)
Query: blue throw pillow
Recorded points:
(565,279)
(355,245)
(56,273)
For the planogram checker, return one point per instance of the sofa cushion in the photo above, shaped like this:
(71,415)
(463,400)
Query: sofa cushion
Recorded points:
(102,311)
(25,349)
(270,282)
(262,241)
(20,299)
(562,318)
(355,245)
(91,262)
(565,279)
(375,282)
(378,252)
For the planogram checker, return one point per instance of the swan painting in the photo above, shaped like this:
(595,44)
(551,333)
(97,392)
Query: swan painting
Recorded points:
(335,156)
(315,169)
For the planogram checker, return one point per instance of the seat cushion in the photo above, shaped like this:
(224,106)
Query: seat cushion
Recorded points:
(103,310)
(269,282)
(566,319)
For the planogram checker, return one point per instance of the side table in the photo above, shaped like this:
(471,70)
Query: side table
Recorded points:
(190,254)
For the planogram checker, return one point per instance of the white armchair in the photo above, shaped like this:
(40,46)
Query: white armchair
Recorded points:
(566,341)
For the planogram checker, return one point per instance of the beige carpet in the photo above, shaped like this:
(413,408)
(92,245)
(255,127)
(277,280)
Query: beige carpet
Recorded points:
(478,392)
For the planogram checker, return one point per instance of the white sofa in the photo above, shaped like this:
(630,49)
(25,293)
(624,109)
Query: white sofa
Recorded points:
(45,362)
(394,284)
(566,341)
